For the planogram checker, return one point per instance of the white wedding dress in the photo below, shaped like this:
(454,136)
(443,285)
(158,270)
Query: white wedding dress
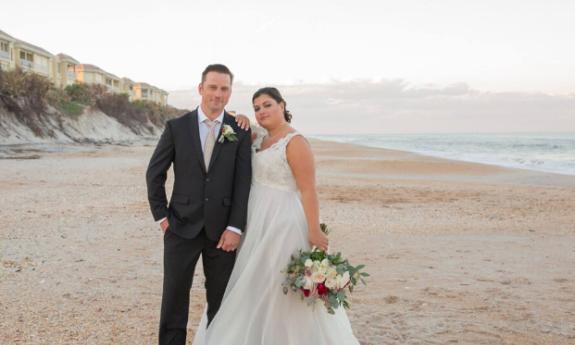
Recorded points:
(255,311)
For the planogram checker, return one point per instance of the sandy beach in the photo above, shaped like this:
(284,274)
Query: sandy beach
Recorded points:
(459,253)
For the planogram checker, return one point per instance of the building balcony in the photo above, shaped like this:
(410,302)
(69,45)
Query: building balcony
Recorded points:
(26,64)
(41,69)
(29,65)
(4,55)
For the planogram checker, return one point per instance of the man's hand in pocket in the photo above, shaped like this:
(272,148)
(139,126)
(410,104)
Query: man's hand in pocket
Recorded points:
(164,225)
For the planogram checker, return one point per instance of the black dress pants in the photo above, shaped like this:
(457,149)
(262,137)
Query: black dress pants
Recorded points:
(180,258)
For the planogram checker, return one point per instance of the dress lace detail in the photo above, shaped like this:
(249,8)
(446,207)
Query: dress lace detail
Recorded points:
(270,166)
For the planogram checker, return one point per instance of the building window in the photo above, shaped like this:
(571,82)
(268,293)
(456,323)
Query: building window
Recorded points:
(5,52)
(26,56)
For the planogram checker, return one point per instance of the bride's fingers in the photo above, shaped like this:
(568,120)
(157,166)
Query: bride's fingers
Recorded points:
(242,122)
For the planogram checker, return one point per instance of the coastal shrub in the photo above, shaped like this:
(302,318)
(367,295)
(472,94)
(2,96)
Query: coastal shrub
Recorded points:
(79,93)
(25,94)
(158,114)
(31,88)
(136,114)
(119,107)
(85,94)
(72,108)
(28,96)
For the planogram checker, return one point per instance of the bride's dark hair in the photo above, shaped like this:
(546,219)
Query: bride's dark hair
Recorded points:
(275,94)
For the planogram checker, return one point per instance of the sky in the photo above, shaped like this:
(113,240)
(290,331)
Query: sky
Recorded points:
(501,45)
(491,47)
(394,106)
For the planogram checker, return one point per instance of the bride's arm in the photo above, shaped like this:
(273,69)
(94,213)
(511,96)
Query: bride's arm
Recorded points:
(301,162)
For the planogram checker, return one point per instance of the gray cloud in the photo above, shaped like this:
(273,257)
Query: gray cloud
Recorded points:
(395,106)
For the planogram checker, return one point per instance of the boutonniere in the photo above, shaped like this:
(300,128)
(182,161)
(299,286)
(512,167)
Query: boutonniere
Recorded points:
(228,134)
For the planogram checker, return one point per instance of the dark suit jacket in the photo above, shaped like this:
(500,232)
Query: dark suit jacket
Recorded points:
(210,198)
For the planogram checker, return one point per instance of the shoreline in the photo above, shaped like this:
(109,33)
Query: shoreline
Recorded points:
(34,151)
(400,164)
(489,160)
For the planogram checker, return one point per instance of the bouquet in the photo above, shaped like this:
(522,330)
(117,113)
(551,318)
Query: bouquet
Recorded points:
(319,277)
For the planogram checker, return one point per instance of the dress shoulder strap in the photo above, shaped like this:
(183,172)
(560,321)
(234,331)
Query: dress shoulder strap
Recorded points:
(289,137)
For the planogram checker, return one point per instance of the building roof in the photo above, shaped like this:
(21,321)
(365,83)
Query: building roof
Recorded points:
(68,58)
(93,68)
(142,84)
(26,45)
(108,74)
(6,36)
(89,67)
(33,48)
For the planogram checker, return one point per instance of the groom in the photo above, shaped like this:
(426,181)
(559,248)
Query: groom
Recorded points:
(211,159)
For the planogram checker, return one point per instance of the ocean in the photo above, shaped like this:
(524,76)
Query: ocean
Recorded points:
(548,152)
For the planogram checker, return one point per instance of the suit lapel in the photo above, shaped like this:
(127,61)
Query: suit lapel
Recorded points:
(228,120)
(196,142)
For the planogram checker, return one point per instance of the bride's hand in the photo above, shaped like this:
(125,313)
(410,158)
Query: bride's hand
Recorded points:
(318,239)
(243,121)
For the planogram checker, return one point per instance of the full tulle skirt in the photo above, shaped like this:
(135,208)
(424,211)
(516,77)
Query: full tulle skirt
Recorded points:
(254,309)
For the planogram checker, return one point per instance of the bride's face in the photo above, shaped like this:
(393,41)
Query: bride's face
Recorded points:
(269,113)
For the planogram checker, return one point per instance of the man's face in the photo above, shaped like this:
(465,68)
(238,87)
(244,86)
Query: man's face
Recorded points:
(216,91)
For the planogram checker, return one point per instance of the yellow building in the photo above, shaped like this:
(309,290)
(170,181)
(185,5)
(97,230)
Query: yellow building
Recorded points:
(31,58)
(113,83)
(15,53)
(91,74)
(7,61)
(147,92)
(163,97)
(63,70)
(128,87)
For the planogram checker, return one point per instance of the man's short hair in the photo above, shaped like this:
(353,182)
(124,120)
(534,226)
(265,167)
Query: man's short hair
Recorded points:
(217,68)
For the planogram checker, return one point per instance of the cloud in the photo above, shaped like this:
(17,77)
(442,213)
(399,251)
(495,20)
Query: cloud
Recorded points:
(395,106)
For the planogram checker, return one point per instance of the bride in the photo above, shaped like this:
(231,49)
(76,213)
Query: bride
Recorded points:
(283,216)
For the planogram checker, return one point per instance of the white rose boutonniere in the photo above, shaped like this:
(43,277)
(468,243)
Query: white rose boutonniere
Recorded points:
(228,134)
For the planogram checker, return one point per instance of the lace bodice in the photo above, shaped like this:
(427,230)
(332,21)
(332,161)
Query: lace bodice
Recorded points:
(270,166)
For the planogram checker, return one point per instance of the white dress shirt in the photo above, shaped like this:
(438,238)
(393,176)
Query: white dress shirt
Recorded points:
(203,135)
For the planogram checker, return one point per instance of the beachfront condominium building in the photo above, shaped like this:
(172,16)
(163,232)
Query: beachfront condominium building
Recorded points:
(147,92)
(128,87)
(63,70)
(31,58)
(7,61)
(15,53)
(94,75)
